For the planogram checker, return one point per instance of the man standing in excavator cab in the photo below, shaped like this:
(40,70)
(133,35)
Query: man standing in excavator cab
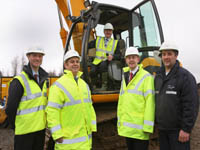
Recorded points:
(107,49)
(136,106)
(177,101)
(70,113)
(27,99)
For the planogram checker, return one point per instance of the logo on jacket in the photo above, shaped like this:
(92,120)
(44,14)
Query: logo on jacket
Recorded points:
(157,92)
(171,90)
(170,87)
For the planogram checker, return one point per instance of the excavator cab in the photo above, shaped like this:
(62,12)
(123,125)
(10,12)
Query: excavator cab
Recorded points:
(139,27)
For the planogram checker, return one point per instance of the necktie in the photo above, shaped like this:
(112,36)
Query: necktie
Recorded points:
(130,76)
(36,77)
(106,42)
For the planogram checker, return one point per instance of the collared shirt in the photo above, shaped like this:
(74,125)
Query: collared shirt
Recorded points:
(134,71)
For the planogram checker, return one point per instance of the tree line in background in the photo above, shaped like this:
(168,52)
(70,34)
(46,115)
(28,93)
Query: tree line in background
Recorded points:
(17,64)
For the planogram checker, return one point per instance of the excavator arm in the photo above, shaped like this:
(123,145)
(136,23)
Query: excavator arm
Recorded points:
(70,10)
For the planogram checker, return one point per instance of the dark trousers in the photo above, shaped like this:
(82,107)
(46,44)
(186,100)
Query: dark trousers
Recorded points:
(96,73)
(135,144)
(169,141)
(30,141)
(96,69)
(51,144)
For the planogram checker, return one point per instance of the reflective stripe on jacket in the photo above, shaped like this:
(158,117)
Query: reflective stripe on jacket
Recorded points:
(101,50)
(70,113)
(30,116)
(136,106)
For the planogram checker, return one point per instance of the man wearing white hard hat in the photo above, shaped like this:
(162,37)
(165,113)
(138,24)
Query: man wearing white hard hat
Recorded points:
(70,113)
(136,105)
(107,49)
(176,100)
(27,99)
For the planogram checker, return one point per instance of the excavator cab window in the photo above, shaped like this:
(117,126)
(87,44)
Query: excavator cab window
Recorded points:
(147,35)
(145,27)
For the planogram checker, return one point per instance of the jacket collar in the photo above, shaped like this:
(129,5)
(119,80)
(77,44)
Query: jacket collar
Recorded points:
(127,69)
(42,73)
(172,71)
(70,74)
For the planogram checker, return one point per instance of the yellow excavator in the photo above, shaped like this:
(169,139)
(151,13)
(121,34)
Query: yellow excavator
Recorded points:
(139,27)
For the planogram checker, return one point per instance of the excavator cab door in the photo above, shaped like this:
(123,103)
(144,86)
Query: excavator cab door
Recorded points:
(147,34)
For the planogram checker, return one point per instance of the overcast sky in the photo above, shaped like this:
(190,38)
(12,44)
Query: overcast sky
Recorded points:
(24,23)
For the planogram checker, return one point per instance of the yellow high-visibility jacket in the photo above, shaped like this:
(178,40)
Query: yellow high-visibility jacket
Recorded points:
(70,113)
(30,116)
(101,50)
(136,106)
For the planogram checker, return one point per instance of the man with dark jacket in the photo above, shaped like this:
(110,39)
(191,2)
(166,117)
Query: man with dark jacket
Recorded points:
(26,103)
(176,101)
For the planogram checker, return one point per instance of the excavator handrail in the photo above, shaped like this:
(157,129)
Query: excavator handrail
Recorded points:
(148,48)
(70,32)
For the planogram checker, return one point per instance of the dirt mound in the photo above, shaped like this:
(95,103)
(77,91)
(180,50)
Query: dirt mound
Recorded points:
(6,139)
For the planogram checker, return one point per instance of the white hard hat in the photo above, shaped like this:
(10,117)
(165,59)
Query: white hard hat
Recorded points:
(108,26)
(131,51)
(70,54)
(36,49)
(168,45)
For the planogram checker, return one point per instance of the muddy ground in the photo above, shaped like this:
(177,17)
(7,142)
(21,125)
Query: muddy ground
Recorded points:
(106,138)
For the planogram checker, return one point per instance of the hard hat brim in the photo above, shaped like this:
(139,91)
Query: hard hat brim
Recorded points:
(108,29)
(66,59)
(132,54)
(39,52)
(161,50)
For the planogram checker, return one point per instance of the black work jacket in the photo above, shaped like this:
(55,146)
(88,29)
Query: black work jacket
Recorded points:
(16,91)
(176,99)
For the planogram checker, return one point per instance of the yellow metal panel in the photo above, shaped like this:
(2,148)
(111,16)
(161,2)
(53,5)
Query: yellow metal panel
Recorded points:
(149,61)
(4,86)
(53,79)
(76,6)
(4,96)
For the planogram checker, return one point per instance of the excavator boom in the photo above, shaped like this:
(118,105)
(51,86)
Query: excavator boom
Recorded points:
(70,10)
